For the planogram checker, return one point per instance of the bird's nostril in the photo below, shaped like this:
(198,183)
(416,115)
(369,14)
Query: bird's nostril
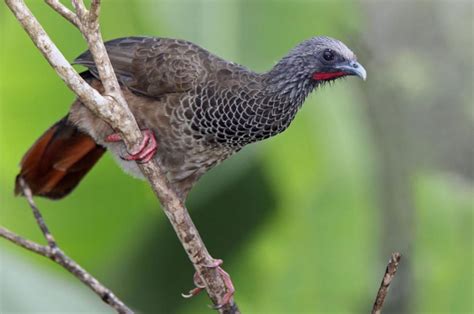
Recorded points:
(355,65)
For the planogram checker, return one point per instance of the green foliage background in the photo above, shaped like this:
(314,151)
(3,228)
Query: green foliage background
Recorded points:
(302,220)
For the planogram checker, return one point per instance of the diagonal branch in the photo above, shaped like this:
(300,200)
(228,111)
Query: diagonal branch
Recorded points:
(24,243)
(104,107)
(64,11)
(390,272)
(53,252)
(39,218)
(113,109)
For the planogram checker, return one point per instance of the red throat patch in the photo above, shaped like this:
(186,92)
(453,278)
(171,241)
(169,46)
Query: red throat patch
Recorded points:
(323,76)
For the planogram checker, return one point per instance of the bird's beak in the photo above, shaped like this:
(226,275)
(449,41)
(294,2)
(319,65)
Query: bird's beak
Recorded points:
(353,68)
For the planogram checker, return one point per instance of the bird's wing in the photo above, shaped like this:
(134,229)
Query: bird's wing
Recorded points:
(154,66)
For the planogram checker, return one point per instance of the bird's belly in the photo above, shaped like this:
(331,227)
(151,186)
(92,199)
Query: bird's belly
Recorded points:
(177,161)
(192,160)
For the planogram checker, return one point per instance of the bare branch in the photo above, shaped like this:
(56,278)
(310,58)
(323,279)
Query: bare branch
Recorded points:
(39,218)
(54,253)
(80,8)
(113,109)
(25,243)
(390,272)
(104,107)
(95,10)
(64,11)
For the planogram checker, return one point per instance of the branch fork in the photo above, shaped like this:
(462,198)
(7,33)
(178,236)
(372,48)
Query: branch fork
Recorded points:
(53,252)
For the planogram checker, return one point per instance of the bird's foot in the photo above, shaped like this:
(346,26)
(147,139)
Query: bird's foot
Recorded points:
(145,151)
(199,283)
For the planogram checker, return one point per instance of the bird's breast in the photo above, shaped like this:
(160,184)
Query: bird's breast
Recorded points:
(235,118)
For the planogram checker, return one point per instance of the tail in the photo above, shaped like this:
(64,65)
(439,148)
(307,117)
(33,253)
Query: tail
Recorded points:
(58,160)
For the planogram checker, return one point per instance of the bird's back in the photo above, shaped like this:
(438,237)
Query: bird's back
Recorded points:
(154,66)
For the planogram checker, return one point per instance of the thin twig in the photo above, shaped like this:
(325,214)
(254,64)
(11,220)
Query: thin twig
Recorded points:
(53,252)
(94,10)
(112,108)
(24,243)
(64,11)
(390,272)
(39,218)
(80,9)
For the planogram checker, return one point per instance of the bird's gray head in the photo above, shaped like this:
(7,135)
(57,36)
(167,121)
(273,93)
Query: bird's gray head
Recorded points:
(322,59)
(313,62)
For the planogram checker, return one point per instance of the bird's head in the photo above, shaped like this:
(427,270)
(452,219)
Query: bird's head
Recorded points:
(310,64)
(326,59)
(319,59)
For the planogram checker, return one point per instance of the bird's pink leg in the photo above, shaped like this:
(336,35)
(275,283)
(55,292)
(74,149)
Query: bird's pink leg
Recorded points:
(146,150)
(200,284)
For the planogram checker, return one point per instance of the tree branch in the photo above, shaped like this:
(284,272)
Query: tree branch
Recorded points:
(64,11)
(39,218)
(390,272)
(53,252)
(24,243)
(113,109)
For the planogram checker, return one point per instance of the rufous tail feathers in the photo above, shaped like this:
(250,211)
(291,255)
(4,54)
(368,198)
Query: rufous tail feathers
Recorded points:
(58,160)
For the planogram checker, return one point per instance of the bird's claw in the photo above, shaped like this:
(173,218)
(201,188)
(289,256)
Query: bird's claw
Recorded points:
(145,151)
(192,293)
(199,283)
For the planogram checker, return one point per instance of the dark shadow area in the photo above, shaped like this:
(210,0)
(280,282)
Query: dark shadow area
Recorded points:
(152,283)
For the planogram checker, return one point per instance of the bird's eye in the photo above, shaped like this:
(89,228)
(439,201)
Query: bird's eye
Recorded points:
(328,55)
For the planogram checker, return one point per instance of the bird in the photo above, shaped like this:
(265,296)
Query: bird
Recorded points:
(195,110)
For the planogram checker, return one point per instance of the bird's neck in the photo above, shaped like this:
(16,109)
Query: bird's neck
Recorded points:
(274,108)
(288,84)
